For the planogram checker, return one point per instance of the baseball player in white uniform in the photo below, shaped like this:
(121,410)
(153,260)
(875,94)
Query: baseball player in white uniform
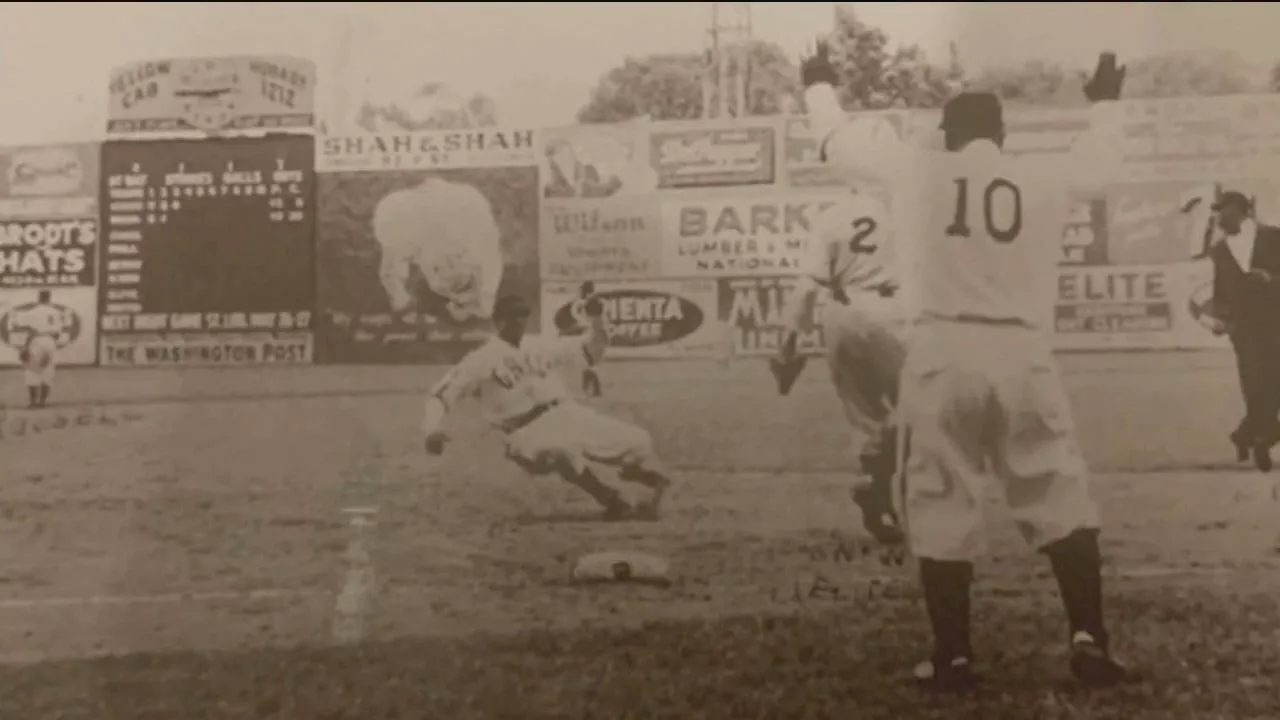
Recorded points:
(45,325)
(519,383)
(853,260)
(981,393)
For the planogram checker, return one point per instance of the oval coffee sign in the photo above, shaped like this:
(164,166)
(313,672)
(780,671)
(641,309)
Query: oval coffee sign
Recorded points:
(642,318)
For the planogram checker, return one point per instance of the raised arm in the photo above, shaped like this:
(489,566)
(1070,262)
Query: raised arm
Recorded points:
(1097,152)
(866,149)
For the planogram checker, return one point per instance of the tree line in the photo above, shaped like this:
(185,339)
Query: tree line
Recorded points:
(875,75)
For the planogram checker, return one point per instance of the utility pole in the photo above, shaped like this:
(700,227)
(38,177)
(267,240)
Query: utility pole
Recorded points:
(342,77)
(726,84)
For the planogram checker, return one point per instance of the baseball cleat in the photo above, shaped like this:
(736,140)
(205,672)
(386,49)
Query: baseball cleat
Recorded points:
(895,555)
(1262,457)
(1092,665)
(1242,445)
(956,676)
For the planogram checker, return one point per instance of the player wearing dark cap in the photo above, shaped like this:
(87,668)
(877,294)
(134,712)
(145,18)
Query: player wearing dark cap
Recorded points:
(972,116)
(519,384)
(981,399)
(1246,307)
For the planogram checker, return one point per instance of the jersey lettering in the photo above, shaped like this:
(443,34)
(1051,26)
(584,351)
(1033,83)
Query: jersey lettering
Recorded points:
(863,229)
(959,226)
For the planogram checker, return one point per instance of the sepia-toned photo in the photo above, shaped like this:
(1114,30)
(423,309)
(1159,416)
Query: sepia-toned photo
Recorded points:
(680,360)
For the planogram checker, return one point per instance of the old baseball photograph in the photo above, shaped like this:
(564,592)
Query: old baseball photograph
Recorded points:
(666,360)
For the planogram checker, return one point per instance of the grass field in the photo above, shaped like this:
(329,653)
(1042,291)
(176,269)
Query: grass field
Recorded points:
(274,544)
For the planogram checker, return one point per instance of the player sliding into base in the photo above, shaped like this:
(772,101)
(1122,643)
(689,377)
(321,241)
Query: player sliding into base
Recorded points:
(519,383)
(981,396)
(853,259)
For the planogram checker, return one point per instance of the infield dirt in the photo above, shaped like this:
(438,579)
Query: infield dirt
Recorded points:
(199,521)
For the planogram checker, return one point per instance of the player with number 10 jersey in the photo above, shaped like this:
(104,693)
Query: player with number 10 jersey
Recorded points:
(981,397)
(978,234)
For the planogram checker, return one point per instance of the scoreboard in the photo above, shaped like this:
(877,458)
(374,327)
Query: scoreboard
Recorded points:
(208,236)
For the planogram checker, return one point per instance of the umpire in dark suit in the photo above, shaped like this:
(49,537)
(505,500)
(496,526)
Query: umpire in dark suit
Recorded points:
(1246,299)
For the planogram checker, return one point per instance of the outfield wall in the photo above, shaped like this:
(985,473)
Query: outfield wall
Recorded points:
(237,235)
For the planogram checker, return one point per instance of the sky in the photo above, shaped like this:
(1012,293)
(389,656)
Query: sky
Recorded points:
(537,60)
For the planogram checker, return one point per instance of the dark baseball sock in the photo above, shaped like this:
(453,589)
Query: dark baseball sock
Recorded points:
(645,475)
(591,383)
(946,596)
(1077,564)
(33,394)
(607,497)
(44,393)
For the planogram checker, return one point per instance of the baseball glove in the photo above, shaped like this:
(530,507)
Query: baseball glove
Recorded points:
(816,67)
(24,356)
(786,366)
(1107,79)
(787,371)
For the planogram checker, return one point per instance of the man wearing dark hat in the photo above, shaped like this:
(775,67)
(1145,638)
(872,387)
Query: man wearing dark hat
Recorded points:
(1246,306)
(981,397)
(518,382)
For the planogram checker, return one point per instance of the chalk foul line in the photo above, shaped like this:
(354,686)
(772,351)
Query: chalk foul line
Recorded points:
(173,598)
(265,594)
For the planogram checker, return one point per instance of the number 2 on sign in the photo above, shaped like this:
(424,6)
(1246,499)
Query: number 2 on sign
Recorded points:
(1010,197)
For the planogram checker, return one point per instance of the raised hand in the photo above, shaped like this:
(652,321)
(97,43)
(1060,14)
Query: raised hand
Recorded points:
(1107,79)
(816,66)
(591,306)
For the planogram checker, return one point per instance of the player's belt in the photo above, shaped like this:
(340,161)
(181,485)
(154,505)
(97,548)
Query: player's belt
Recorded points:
(526,419)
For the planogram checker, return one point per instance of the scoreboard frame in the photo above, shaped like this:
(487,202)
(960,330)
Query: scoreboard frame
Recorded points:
(138,224)
(189,272)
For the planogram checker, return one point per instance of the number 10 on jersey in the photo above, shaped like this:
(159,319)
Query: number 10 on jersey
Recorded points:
(1001,210)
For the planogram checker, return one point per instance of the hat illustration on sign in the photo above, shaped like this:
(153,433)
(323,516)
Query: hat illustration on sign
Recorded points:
(209,92)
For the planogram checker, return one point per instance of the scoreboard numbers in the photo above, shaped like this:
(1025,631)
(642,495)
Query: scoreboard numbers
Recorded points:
(210,235)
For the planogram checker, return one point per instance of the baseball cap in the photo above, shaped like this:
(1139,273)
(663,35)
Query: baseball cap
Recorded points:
(979,109)
(1232,198)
